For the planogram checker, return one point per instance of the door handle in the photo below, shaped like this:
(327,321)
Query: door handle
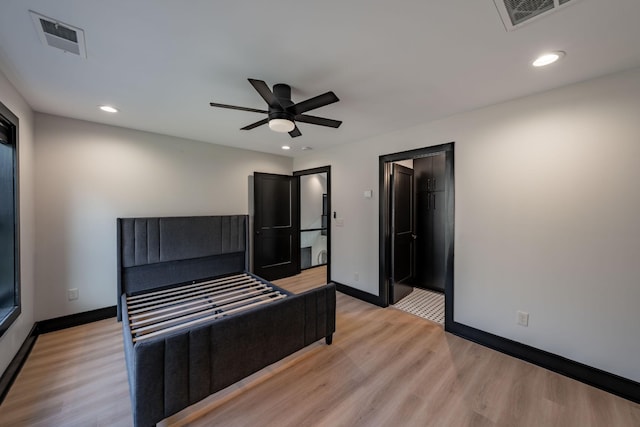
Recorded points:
(414,237)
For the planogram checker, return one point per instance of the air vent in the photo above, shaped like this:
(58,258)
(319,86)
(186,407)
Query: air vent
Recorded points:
(515,13)
(59,35)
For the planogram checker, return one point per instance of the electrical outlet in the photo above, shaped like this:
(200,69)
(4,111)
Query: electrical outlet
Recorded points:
(356,276)
(523,318)
(72,294)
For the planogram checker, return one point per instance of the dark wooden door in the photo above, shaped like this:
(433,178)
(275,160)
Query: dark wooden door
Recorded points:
(437,218)
(431,222)
(424,241)
(402,232)
(276,236)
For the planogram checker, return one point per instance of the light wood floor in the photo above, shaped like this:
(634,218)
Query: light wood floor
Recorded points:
(384,368)
(308,279)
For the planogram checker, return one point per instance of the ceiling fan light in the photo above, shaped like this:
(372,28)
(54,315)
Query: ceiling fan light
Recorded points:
(281,125)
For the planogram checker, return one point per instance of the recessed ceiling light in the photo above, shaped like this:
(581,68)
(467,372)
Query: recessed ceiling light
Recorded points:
(547,58)
(307,148)
(108,109)
(286,147)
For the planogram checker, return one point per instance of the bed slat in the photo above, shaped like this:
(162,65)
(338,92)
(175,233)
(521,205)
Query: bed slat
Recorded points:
(147,295)
(205,319)
(160,312)
(186,295)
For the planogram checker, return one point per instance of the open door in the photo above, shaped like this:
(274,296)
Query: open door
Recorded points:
(275,224)
(402,233)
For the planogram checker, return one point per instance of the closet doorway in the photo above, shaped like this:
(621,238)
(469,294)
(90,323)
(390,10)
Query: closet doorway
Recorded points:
(416,227)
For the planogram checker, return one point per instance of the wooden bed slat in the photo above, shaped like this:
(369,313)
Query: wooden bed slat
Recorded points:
(219,305)
(187,317)
(205,319)
(146,306)
(138,299)
(197,300)
(169,310)
(173,289)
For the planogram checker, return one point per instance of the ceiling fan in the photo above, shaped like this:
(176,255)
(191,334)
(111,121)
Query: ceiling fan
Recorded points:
(282,112)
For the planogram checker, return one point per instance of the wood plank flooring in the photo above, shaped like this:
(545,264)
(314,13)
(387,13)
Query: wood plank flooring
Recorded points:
(384,368)
(308,279)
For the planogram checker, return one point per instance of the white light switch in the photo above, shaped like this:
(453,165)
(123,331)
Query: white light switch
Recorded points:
(368,194)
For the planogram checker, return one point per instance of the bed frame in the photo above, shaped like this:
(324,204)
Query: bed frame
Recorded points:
(237,323)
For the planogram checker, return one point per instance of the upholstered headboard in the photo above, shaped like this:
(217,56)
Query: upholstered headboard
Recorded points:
(158,252)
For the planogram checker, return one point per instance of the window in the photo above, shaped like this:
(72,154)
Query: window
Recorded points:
(9,241)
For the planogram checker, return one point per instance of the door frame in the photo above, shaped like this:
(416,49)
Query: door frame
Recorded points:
(327,170)
(385,168)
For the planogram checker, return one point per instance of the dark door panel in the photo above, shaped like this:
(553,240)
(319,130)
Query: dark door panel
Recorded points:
(275,250)
(276,234)
(430,222)
(439,221)
(430,172)
(403,259)
(422,168)
(276,200)
(438,172)
(424,246)
(402,231)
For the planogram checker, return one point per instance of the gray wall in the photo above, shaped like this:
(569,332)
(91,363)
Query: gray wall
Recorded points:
(547,214)
(88,174)
(13,338)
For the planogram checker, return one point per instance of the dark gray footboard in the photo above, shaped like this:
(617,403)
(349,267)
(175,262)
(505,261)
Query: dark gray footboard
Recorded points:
(174,371)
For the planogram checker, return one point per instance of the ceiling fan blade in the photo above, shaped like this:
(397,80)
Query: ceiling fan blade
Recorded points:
(256,124)
(233,107)
(265,93)
(313,103)
(318,121)
(295,132)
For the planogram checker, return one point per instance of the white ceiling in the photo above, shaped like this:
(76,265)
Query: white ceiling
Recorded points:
(393,64)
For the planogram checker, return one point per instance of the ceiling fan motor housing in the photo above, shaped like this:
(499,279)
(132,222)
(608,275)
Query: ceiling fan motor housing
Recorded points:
(283,94)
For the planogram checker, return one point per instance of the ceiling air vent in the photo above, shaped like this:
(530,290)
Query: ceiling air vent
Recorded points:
(59,35)
(515,13)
